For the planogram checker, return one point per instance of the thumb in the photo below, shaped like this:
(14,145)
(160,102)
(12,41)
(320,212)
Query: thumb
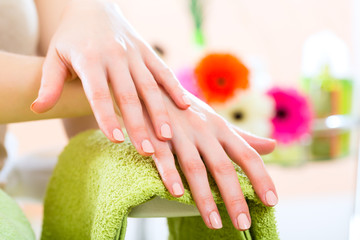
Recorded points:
(260,144)
(54,74)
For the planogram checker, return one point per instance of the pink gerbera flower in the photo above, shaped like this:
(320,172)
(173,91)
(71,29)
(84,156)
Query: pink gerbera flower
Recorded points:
(293,115)
(187,79)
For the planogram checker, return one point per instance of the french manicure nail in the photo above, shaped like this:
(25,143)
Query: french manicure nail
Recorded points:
(147,146)
(243,221)
(165,131)
(215,220)
(186,100)
(118,135)
(271,198)
(177,190)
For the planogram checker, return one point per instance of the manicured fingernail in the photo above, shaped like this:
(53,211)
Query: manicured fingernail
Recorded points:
(271,198)
(147,146)
(177,190)
(215,220)
(33,104)
(243,221)
(165,131)
(118,135)
(186,100)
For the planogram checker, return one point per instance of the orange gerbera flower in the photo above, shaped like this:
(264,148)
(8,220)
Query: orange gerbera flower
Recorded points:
(220,75)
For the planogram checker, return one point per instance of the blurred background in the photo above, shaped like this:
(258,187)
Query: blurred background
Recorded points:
(306,53)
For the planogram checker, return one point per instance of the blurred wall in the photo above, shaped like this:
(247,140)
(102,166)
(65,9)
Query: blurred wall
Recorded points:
(272,31)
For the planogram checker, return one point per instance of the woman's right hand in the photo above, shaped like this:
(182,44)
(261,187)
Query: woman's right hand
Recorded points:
(96,43)
(204,140)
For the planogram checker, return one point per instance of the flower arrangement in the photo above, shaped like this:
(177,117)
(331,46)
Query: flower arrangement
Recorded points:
(222,80)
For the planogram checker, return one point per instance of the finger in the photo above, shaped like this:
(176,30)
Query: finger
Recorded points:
(97,92)
(196,175)
(164,76)
(54,74)
(226,179)
(165,164)
(130,107)
(149,90)
(261,145)
(250,161)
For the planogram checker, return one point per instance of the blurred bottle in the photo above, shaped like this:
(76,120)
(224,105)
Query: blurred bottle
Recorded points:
(326,77)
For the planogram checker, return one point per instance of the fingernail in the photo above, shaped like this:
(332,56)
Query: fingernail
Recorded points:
(186,100)
(32,105)
(118,135)
(215,220)
(177,190)
(147,146)
(165,131)
(271,198)
(243,221)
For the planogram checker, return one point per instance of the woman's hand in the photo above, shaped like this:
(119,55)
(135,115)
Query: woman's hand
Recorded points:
(95,42)
(199,131)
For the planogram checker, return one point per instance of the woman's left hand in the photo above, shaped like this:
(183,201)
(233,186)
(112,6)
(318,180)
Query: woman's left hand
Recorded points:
(204,140)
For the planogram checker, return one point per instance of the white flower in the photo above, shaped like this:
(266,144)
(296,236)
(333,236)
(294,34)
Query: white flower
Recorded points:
(251,111)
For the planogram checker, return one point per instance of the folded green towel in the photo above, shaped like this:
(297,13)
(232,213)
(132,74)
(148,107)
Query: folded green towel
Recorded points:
(13,223)
(96,183)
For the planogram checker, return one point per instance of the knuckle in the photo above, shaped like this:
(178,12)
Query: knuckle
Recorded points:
(116,50)
(89,53)
(138,130)
(207,201)
(199,124)
(195,119)
(224,168)
(166,73)
(236,202)
(87,61)
(250,156)
(220,122)
(46,85)
(195,167)
(164,151)
(130,46)
(129,98)
(169,173)
(150,86)
(99,95)
(174,84)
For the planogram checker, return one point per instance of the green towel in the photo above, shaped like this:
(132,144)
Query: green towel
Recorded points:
(13,223)
(96,183)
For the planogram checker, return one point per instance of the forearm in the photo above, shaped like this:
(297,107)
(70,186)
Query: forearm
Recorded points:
(20,78)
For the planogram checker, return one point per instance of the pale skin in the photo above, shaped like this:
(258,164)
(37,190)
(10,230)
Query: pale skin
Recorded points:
(198,130)
(95,42)
(195,131)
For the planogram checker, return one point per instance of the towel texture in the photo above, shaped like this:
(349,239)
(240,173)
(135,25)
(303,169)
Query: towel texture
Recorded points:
(96,183)
(13,223)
